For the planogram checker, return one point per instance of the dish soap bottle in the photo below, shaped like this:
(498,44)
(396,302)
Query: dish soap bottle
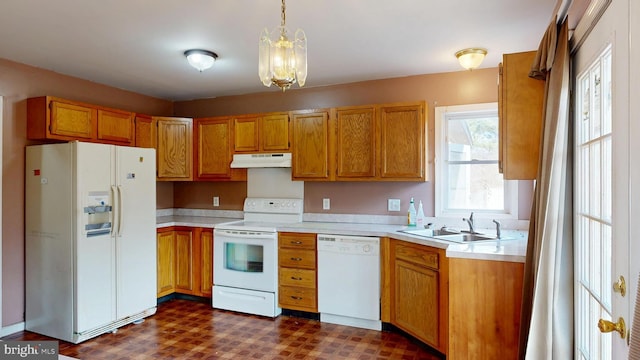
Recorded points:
(411,216)
(420,216)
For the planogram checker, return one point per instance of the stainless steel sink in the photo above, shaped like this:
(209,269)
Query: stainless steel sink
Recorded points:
(465,237)
(431,233)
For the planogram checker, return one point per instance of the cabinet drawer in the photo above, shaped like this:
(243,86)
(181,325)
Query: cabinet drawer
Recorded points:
(305,259)
(417,255)
(297,241)
(298,277)
(297,298)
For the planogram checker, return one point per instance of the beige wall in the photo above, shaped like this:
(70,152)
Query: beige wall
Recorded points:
(17,83)
(455,88)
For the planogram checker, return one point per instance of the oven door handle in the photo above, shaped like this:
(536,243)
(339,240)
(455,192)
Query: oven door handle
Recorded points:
(243,235)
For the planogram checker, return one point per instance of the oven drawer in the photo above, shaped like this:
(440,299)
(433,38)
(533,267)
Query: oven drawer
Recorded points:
(298,277)
(298,298)
(297,241)
(305,259)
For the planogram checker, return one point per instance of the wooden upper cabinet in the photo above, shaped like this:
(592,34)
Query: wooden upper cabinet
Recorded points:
(54,118)
(520,101)
(356,142)
(310,156)
(261,133)
(116,126)
(246,134)
(59,119)
(145,133)
(274,131)
(213,150)
(403,142)
(174,148)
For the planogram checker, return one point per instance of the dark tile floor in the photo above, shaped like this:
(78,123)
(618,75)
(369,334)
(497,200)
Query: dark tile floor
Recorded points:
(183,329)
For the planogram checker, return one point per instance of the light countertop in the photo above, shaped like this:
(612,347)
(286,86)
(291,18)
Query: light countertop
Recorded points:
(512,250)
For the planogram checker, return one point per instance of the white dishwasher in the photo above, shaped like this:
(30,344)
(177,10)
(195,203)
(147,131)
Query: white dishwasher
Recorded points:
(349,280)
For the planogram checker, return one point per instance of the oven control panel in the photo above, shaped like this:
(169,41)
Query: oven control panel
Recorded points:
(273,205)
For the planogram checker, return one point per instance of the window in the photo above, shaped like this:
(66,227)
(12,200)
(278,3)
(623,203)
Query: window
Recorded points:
(467,178)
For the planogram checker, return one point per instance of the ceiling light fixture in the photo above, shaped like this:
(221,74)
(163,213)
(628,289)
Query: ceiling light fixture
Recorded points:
(471,58)
(282,61)
(200,59)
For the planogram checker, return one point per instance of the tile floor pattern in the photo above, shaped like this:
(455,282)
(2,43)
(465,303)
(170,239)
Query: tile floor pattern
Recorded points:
(183,329)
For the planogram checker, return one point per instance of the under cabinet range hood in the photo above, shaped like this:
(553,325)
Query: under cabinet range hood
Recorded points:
(270,160)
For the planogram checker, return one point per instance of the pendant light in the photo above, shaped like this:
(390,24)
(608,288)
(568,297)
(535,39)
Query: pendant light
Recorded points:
(282,61)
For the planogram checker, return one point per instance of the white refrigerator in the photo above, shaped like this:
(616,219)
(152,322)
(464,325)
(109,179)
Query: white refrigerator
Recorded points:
(90,231)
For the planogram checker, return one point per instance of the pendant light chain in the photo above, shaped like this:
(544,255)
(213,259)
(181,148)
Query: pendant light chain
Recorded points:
(283,15)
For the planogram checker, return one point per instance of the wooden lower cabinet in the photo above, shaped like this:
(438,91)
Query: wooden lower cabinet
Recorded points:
(166,262)
(185,261)
(297,259)
(416,282)
(484,308)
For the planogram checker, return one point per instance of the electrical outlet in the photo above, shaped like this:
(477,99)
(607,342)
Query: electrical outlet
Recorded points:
(216,201)
(326,204)
(393,205)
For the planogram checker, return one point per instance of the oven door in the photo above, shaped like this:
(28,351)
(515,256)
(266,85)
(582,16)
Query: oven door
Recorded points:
(245,259)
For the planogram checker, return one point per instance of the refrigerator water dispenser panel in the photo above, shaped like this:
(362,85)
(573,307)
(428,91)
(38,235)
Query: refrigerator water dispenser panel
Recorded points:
(97,214)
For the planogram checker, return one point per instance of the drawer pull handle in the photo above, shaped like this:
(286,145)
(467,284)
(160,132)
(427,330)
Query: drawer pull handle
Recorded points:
(296,297)
(296,242)
(296,278)
(296,259)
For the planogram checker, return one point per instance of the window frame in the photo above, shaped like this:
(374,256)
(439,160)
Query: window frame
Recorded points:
(442,113)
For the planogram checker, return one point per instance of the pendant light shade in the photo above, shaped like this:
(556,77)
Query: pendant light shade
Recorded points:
(282,60)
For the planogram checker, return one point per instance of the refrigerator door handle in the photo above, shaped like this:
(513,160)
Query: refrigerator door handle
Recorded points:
(120,211)
(116,210)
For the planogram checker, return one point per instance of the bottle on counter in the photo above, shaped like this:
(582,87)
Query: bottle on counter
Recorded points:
(411,216)
(420,216)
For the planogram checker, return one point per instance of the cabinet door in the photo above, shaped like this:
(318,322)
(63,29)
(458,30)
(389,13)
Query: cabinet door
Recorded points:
(520,111)
(174,148)
(72,120)
(116,126)
(145,133)
(403,142)
(246,134)
(206,262)
(356,143)
(213,148)
(166,263)
(416,301)
(275,132)
(310,156)
(184,261)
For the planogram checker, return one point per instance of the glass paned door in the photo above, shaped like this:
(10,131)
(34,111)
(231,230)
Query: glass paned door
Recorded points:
(593,207)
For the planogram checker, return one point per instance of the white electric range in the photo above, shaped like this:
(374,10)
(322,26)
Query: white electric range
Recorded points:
(245,274)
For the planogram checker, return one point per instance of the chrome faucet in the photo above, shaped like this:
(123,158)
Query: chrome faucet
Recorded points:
(470,222)
(497,228)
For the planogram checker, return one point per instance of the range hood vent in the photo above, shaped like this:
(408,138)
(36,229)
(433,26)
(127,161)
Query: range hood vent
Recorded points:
(273,160)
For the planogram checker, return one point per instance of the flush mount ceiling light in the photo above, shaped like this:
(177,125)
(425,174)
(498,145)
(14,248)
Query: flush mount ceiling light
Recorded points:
(200,59)
(282,61)
(471,58)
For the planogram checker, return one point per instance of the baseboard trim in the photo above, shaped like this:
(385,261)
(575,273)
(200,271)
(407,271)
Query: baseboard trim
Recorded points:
(12,329)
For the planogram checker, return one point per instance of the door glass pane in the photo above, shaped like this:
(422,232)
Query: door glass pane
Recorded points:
(244,257)
(592,188)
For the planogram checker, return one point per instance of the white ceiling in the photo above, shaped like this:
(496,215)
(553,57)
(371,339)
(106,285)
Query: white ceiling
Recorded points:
(138,45)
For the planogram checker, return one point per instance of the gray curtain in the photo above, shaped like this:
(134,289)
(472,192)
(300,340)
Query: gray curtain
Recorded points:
(546,327)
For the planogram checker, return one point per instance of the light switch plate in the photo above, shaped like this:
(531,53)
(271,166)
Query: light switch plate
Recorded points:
(393,205)
(326,204)
(216,201)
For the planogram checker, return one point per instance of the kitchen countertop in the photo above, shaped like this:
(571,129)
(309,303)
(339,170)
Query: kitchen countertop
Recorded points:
(512,250)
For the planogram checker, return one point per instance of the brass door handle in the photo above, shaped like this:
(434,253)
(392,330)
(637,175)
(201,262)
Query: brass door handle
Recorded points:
(606,326)
(620,286)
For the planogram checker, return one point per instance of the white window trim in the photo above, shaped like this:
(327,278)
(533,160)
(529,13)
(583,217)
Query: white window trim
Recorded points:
(511,186)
